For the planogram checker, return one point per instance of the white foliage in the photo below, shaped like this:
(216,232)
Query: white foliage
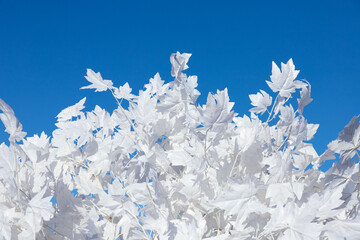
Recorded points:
(72,111)
(284,81)
(97,82)
(124,92)
(12,125)
(169,168)
(261,101)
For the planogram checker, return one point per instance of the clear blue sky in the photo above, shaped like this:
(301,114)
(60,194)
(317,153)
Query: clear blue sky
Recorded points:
(46,46)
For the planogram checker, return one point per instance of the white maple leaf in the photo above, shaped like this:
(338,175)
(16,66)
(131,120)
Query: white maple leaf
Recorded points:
(326,203)
(110,230)
(179,157)
(217,109)
(311,130)
(283,81)
(124,92)
(239,200)
(11,123)
(39,209)
(7,162)
(305,98)
(97,82)
(179,63)
(72,111)
(348,142)
(5,226)
(287,116)
(189,226)
(343,229)
(190,87)
(279,193)
(293,222)
(157,85)
(260,101)
(234,235)
(145,109)
(101,119)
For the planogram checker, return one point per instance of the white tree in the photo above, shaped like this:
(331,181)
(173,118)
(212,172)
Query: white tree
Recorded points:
(168,168)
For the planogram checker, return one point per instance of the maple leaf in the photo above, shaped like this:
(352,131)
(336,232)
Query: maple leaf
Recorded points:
(191,226)
(343,229)
(123,92)
(348,142)
(190,87)
(98,83)
(305,98)
(240,201)
(287,116)
(217,110)
(7,163)
(11,123)
(39,209)
(100,118)
(5,226)
(179,63)
(283,81)
(260,101)
(72,111)
(326,203)
(293,222)
(279,193)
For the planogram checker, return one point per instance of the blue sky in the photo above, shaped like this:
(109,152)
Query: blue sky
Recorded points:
(46,46)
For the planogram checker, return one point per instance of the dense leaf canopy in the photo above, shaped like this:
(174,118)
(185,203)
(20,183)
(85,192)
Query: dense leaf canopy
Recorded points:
(166,167)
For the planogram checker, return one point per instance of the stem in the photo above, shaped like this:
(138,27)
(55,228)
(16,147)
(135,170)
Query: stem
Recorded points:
(286,139)
(122,109)
(142,228)
(272,109)
(205,150)
(235,161)
(55,231)
(12,143)
(129,120)
(153,201)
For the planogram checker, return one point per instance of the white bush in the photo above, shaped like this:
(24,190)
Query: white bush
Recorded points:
(168,168)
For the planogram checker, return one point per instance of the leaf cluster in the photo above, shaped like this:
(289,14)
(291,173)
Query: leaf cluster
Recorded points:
(166,167)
